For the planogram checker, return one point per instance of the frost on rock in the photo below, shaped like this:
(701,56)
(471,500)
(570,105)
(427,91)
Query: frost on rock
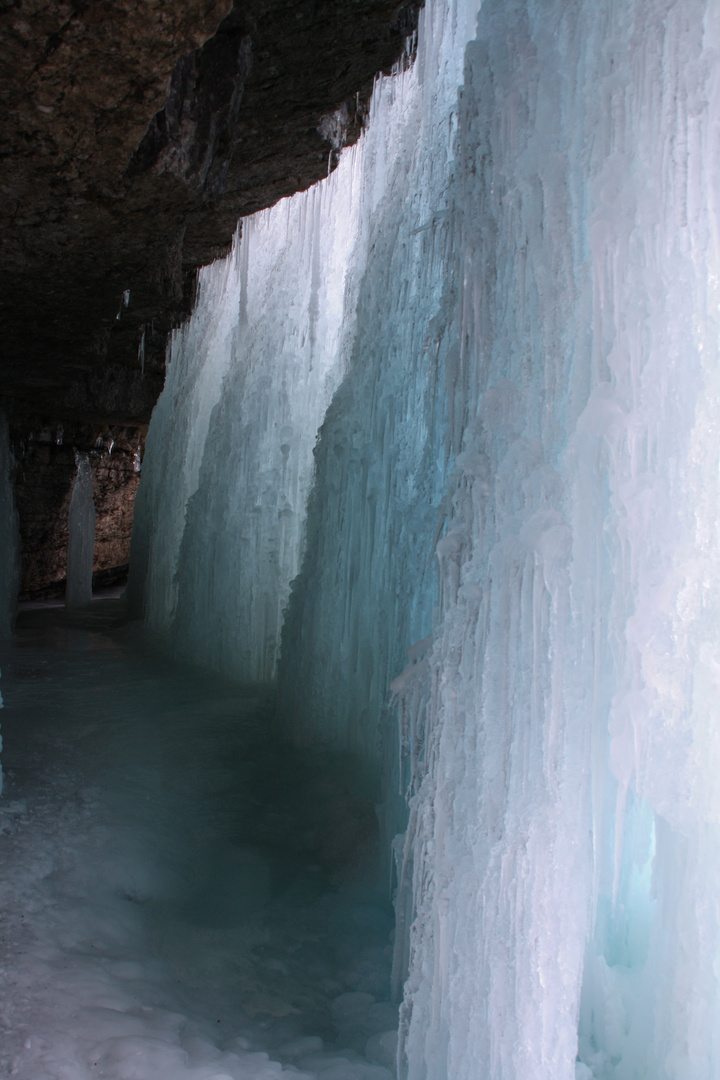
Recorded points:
(558,733)
(81,537)
(500,319)
(366,587)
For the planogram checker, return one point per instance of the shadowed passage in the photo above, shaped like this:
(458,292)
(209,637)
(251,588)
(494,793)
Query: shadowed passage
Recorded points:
(181,893)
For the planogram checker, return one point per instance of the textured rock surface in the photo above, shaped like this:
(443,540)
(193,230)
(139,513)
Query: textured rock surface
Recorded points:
(78,82)
(45,472)
(129,151)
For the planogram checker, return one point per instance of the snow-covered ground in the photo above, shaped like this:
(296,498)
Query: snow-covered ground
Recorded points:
(180,894)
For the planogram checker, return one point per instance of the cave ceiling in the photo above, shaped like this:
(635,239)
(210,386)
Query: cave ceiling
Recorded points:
(134,135)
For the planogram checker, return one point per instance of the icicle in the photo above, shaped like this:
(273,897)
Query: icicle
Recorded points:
(81,537)
(141,352)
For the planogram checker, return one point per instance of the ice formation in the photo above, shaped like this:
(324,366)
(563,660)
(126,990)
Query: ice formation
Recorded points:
(9,565)
(9,545)
(513,375)
(81,537)
(215,550)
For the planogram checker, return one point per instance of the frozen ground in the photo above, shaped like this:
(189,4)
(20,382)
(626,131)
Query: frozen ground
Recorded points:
(180,895)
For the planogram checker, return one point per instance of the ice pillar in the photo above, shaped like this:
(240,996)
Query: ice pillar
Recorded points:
(81,537)
(367,586)
(9,546)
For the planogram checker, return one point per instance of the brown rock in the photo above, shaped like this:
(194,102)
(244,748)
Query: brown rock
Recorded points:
(129,150)
(46,468)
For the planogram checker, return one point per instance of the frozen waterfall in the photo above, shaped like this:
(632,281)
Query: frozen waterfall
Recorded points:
(466,396)
(9,563)
(228,465)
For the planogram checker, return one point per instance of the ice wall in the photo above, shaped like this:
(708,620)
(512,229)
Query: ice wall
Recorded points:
(81,537)
(514,294)
(367,587)
(197,359)
(220,518)
(249,380)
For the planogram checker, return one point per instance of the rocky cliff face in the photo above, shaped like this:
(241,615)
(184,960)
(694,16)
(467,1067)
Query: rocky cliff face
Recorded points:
(133,136)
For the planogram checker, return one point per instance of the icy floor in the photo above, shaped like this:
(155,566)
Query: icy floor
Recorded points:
(180,896)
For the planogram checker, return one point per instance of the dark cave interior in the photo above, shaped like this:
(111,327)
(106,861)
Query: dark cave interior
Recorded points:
(133,140)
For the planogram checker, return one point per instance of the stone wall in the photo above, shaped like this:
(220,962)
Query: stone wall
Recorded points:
(45,470)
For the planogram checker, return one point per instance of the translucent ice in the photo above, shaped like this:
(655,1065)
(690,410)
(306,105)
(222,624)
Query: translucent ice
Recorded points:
(81,537)
(513,526)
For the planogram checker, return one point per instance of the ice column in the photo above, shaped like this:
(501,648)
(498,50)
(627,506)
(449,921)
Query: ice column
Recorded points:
(198,356)
(553,348)
(81,537)
(367,586)
(501,315)
(9,546)
(249,380)
(244,525)
(563,845)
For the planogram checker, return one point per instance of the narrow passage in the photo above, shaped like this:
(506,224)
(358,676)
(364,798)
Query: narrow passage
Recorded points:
(182,895)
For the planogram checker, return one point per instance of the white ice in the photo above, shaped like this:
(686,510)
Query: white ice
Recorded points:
(235,426)
(563,839)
